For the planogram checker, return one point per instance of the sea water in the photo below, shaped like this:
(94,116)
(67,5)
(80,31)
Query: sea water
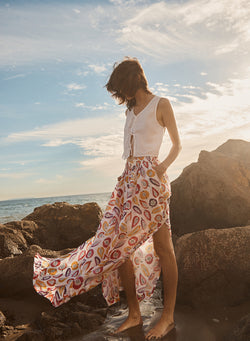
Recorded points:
(16,209)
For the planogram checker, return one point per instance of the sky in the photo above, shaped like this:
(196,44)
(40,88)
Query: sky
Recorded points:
(61,132)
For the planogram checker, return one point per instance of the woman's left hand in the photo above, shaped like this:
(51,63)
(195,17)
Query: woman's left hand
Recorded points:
(160,170)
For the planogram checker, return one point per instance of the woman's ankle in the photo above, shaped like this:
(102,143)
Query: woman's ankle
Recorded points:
(134,315)
(166,315)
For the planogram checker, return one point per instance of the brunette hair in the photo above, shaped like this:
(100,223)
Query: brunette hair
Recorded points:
(126,78)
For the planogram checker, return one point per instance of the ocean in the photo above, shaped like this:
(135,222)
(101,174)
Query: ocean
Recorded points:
(17,209)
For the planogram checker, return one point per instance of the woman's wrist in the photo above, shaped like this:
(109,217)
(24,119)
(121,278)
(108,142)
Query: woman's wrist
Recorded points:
(164,165)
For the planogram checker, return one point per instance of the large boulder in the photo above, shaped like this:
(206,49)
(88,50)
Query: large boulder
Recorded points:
(214,191)
(214,267)
(17,272)
(62,225)
(52,226)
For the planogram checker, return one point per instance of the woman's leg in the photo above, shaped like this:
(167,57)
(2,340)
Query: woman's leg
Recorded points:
(126,272)
(165,250)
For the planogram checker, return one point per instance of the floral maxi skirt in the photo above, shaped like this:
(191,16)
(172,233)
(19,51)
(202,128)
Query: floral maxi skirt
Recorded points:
(138,207)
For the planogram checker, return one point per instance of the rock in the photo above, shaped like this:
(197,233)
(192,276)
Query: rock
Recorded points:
(23,226)
(240,332)
(87,321)
(12,241)
(17,272)
(87,309)
(214,191)
(20,270)
(16,236)
(236,149)
(31,335)
(213,267)
(47,320)
(62,225)
(62,321)
(2,319)
(76,329)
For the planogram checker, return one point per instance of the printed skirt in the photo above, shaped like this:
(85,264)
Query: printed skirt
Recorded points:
(138,207)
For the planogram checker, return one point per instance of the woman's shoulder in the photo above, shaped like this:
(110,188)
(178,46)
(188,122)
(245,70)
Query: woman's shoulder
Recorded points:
(163,99)
(164,102)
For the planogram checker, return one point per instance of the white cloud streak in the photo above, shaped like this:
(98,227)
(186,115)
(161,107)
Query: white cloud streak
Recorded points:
(18,175)
(73,131)
(167,31)
(97,68)
(58,179)
(75,86)
(204,29)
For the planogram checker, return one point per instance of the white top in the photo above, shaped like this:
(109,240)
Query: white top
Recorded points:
(146,130)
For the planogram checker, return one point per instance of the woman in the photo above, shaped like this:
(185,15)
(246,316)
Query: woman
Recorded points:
(133,240)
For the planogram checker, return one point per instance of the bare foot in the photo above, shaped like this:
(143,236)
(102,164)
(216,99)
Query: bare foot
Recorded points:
(160,329)
(129,322)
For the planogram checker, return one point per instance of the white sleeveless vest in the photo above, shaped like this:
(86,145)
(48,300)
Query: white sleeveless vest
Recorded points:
(146,130)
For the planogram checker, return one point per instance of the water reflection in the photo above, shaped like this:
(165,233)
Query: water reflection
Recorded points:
(138,334)
(190,326)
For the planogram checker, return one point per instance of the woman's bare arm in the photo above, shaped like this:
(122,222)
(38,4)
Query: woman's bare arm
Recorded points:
(168,120)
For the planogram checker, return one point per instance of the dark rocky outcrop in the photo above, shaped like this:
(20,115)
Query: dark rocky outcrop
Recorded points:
(214,267)
(214,191)
(51,226)
(20,270)
(210,205)
(62,225)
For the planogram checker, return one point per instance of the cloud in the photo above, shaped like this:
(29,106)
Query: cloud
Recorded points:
(105,145)
(20,75)
(75,86)
(124,3)
(204,29)
(57,179)
(18,175)
(71,131)
(222,107)
(103,106)
(97,68)
(165,31)
(40,32)
(108,165)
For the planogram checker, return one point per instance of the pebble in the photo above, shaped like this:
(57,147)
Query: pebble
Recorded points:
(215,320)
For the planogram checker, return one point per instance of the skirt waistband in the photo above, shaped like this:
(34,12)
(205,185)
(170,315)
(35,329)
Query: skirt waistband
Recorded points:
(139,159)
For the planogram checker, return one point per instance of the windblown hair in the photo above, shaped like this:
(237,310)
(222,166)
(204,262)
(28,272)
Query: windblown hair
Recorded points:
(126,78)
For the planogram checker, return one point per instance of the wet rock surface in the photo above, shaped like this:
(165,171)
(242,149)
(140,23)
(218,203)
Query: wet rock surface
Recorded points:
(211,324)
(240,330)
